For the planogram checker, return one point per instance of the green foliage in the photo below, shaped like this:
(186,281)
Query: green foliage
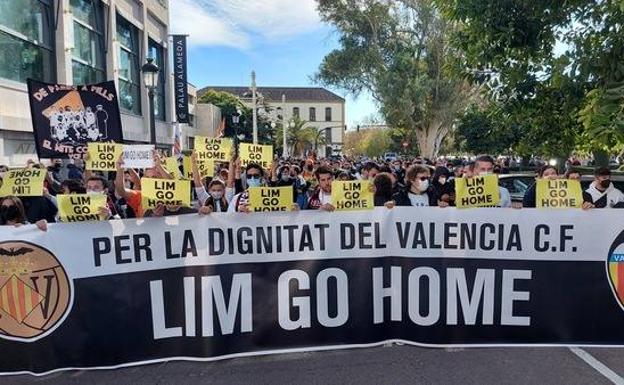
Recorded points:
(399,52)
(560,62)
(372,143)
(230,105)
(482,131)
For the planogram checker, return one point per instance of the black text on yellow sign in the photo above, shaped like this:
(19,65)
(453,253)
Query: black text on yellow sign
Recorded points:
(103,156)
(217,150)
(479,191)
(168,192)
(255,153)
(352,195)
(81,207)
(558,194)
(271,198)
(27,182)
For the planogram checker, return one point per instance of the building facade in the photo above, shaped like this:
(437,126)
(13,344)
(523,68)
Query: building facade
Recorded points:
(320,108)
(81,42)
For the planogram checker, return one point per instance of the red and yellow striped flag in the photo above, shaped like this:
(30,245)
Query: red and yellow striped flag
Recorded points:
(18,299)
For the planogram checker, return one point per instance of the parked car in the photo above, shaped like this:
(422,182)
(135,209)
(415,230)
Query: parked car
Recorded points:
(517,184)
(390,156)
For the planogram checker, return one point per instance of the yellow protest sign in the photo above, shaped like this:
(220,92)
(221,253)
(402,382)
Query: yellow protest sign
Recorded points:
(103,156)
(80,207)
(479,191)
(256,153)
(169,192)
(26,182)
(270,198)
(217,150)
(352,195)
(171,165)
(558,193)
(205,167)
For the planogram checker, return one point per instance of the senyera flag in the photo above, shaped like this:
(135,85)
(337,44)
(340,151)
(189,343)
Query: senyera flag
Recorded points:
(65,118)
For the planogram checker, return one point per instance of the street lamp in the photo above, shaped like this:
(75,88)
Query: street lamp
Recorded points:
(150,78)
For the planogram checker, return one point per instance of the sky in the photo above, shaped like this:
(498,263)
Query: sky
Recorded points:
(284,41)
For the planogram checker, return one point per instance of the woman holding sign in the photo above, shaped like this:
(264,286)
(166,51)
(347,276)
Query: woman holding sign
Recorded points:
(546,172)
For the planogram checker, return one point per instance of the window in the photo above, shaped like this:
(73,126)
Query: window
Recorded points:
(328,114)
(88,54)
(129,71)
(328,135)
(27,40)
(155,51)
(296,112)
(312,114)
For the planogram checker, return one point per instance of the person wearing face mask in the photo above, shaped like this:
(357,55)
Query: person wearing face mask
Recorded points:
(417,192)
(443,186)
(97,185)
(12,213)
(216,201)
(254,177)
(601,192)
(545,172)
(484,165)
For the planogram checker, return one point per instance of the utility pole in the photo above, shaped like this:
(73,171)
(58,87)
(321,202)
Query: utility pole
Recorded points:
(254,106)
(284,127)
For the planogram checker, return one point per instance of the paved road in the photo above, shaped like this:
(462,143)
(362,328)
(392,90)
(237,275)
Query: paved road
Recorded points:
(383,365)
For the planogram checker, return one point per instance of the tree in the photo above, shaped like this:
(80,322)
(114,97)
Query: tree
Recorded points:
(230,105)
(372,143)
(398,51)
(544,54)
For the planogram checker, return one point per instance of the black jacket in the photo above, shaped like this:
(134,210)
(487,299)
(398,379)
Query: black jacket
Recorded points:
(401,198)
(529,197)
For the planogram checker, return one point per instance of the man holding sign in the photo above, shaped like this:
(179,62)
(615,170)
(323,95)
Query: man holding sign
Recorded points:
(166,196)
(134,197)
(482,190)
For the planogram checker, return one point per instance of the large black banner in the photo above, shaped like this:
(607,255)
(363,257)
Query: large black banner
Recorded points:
(130,292)
(180,78)
(66,117)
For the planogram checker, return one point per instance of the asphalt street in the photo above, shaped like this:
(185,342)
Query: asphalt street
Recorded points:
(383,365)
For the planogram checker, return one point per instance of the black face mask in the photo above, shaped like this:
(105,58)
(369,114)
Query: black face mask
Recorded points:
(9,214)
(605,183)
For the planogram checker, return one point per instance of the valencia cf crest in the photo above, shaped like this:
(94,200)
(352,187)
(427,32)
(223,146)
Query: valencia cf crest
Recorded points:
(35,292)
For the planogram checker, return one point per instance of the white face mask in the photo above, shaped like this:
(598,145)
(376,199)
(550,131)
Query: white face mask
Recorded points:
(216,195)
(442,181)
(423,185)
(93,192)
(484,173)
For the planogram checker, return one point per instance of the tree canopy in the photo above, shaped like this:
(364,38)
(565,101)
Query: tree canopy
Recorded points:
(399,52)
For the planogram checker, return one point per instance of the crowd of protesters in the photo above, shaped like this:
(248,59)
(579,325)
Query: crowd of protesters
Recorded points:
(414,182)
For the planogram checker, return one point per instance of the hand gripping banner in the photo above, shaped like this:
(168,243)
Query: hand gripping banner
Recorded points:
(119,293)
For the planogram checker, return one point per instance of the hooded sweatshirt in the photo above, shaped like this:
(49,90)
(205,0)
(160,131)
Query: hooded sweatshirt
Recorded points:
(603,199)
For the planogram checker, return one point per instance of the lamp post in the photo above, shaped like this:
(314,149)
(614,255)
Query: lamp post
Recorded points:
(253,103)
(235,120)
(150,78)
(285,133)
